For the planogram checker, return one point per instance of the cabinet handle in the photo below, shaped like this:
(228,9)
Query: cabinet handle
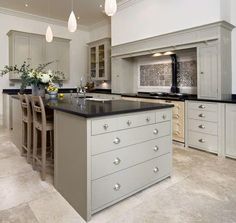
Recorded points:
(201,127)
(155,170)
(201,106)
(117,187)
(201,140)
(116,141)
(201,116)
(117,161)
(156,148)
(105,126)
(164,117)
(148,119)
(155,131)
(202,72)
(129,123)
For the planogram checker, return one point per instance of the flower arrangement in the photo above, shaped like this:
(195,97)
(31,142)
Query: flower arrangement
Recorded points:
(34,77)
(52,88)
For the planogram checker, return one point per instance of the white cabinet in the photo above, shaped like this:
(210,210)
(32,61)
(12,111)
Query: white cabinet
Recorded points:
(230,130)
(208,71)
(100,60)
(33,49)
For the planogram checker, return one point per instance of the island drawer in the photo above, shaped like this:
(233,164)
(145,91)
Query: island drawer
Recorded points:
(203,126)
(110,124)
(203,141)
(203,115)
(115,140)
(118,185)
(203,106)
(163,115)
(116,160)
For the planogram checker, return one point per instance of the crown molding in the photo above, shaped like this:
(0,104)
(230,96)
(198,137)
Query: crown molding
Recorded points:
(127,3)
(24,15)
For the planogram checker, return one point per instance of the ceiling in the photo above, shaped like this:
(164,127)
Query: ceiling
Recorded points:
(89,11)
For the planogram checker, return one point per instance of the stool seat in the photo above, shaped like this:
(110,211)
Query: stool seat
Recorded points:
(39,126)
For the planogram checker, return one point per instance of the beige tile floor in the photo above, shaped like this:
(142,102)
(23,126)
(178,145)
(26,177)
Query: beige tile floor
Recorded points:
(202,189)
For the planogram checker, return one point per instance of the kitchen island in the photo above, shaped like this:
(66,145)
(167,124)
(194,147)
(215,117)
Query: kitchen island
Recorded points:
(106,151)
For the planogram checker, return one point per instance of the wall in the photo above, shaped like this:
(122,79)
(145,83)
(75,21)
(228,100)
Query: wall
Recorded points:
(78,48)
(164,16)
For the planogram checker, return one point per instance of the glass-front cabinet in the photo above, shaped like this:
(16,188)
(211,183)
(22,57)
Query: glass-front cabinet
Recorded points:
(100,60)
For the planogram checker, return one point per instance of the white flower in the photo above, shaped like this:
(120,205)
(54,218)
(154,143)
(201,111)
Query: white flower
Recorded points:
(45,78)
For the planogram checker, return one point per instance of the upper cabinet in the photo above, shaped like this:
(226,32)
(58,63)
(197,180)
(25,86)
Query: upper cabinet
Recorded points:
(33,49)
(100,60)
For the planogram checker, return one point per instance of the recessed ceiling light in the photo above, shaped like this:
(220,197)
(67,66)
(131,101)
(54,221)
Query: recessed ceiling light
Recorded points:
(78,17)
(26,5)
(101,6)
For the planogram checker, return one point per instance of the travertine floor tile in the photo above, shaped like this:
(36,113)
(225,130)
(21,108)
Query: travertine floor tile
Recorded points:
(19,214)
(53,208)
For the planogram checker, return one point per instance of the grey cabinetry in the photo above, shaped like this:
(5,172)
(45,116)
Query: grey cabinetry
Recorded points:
(33,49)
(208,71)
(230,130)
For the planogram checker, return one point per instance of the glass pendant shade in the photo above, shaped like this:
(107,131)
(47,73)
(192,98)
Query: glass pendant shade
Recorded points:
(72,22)
(110,7)
(49,34)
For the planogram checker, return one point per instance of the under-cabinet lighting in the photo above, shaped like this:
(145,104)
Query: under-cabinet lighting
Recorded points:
(168,53)
(157,54)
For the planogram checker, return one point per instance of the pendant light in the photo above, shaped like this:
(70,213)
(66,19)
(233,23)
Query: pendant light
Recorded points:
(110,7)
(72,22)
(49,34)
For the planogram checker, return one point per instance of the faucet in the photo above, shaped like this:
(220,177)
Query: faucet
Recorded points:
(81,89)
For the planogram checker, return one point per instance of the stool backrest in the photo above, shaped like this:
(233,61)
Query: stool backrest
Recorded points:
(39,115)
(26,107)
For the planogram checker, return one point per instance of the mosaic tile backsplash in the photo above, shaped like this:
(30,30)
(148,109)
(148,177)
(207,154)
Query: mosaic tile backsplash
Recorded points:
(161,74)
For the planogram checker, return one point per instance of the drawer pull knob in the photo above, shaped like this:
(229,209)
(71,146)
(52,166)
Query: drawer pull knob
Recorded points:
(129,123)
(148,119)
(156,148)
(202,106)
(156,170)
(202,140)
(201,116)
(117,187)
(117,161)
(105,126)
(116,141)
(201,127)
(155,131)
(164,117)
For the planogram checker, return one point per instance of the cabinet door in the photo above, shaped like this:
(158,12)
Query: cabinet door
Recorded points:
(101,62)
(208,72)
(93,62)
(230,130)
(37,50)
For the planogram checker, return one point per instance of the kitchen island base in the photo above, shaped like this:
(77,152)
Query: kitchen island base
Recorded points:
(102,160)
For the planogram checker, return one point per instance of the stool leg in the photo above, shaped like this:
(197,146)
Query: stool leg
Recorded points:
(29,141)
(51,144)
(23,139)
(35,144)
(44,152)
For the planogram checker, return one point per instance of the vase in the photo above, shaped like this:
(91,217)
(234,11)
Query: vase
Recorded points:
(52,95)
(38,90)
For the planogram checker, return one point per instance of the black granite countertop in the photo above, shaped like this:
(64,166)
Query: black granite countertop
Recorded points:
(90,109)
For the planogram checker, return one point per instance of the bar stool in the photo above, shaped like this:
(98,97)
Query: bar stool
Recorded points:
(42,128)
(26,147)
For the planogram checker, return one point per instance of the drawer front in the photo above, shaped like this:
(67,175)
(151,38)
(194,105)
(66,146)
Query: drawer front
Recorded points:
(203,106)
(203,127)
(163,115)
(110,162)
(120,184)
(203,115)
(115,140)
(101,126)
(203,141)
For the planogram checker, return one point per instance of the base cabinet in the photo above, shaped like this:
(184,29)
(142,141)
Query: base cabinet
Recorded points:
(230,131)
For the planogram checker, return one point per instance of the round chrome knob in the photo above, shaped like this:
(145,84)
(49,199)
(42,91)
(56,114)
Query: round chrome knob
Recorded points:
(155,170)
(148,119)
(116,141)
(156,148)
(105,126)
(117,187)
(201,127)
(117,161)
(202,140)
(202,106)
(129,123)
(155,131)
(201,116)
(164,117)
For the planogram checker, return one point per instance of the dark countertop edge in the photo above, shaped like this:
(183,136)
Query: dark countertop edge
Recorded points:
(101,91)
(111,113)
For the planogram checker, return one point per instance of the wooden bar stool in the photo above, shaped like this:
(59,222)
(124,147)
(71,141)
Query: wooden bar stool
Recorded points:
(43,130)
(26,147)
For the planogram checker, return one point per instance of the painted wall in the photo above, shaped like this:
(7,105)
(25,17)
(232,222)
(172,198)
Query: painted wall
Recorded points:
(100,30)
(78,48)
(233,21)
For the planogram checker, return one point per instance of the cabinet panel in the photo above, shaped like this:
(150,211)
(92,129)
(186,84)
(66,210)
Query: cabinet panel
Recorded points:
(208,71)
(230,130)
